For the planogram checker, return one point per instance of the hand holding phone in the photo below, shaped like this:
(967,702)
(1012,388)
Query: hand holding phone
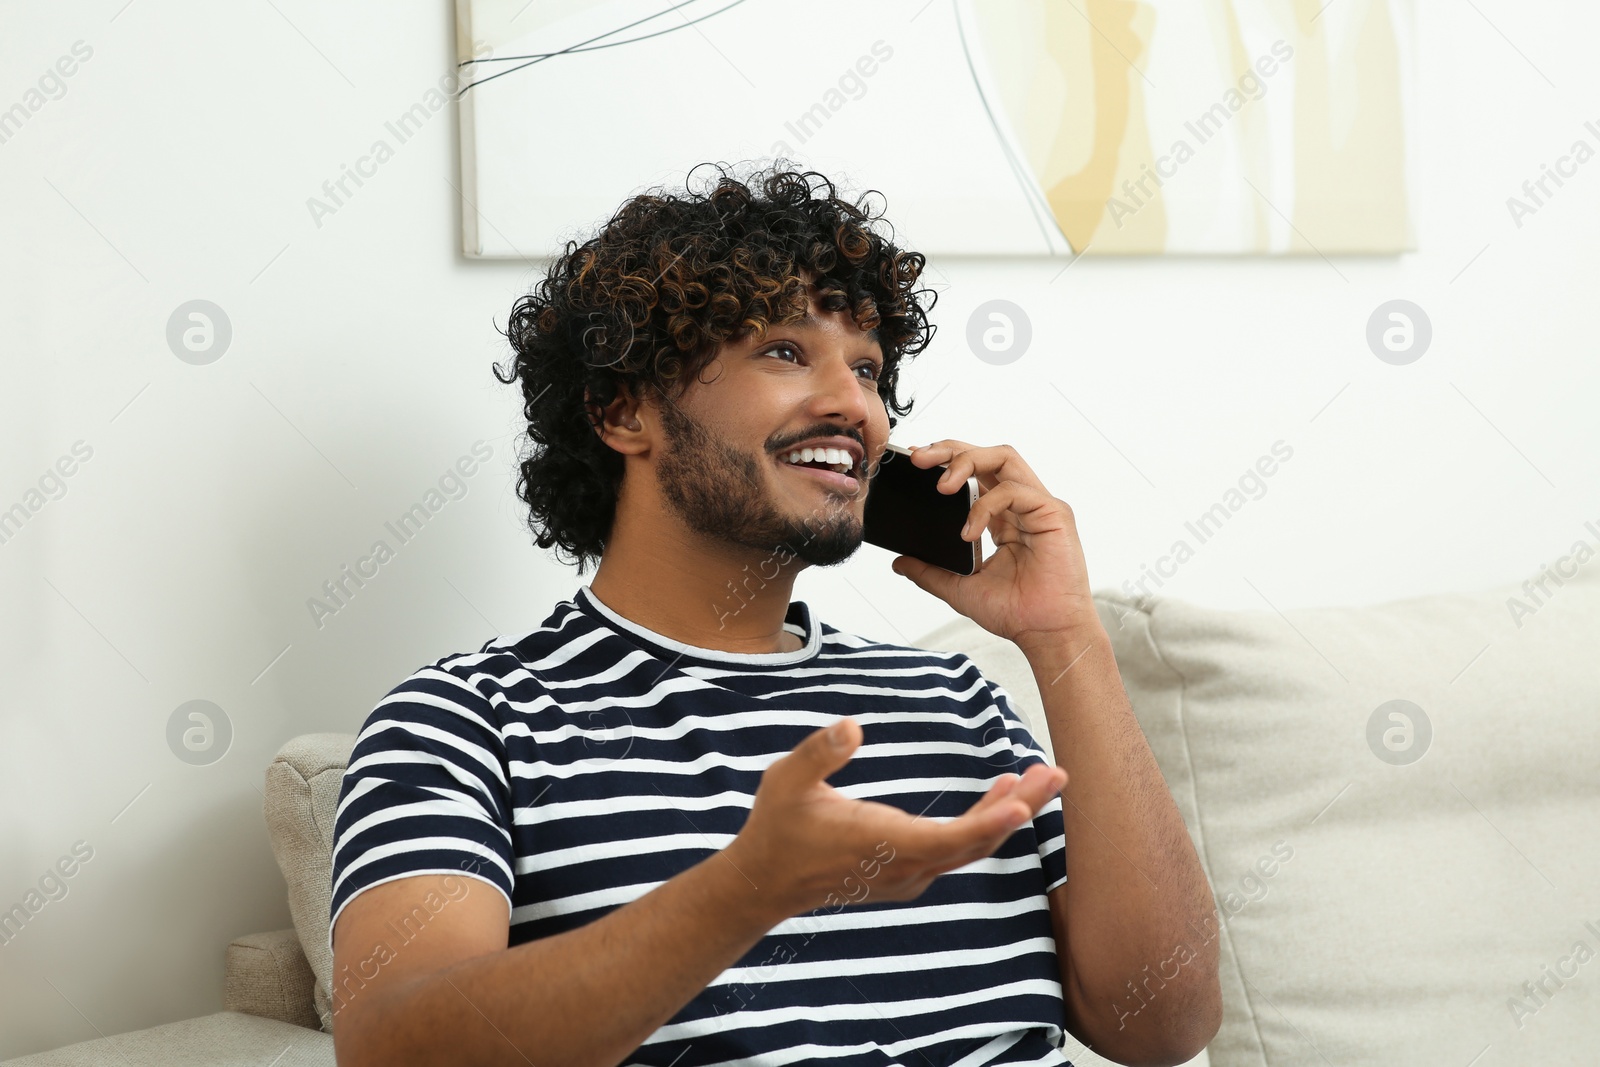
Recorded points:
(907,514)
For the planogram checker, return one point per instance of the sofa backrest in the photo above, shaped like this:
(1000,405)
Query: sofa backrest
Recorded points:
(1395,806)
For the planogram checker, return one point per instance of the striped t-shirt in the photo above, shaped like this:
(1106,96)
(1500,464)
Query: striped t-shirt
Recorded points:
(579,766)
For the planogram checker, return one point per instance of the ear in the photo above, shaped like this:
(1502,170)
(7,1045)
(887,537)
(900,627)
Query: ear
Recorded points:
(620,426)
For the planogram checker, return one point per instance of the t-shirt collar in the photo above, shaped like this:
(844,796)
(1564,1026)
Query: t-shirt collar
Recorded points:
(798,617)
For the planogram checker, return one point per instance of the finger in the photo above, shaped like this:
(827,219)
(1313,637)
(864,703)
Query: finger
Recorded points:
(1036,788)
(956,845)
(937,452)
(818,756)
(992,830)
(931,456)
(1003,787)
(989,827)
(990,465)
(1012,509)
(998,821)
(981,829)
(986,825)
(961,461)
(1026,797)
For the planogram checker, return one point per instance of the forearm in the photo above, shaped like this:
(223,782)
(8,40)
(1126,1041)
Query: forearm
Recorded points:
(588,996)
(1136,889)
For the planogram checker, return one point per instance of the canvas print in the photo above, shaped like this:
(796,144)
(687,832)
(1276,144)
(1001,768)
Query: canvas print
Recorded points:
(1048,127)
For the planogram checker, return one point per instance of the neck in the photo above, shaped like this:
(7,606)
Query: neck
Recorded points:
(709,594)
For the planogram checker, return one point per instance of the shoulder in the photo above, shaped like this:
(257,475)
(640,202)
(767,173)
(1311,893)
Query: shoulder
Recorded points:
(471,695)
(952,673)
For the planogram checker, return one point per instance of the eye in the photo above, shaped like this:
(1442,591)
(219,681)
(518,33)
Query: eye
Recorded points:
(868,365)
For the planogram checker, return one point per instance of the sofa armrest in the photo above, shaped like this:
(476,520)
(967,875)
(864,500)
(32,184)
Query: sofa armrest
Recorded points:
(268,975)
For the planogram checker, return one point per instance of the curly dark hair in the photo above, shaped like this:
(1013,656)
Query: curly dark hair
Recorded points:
(650,299)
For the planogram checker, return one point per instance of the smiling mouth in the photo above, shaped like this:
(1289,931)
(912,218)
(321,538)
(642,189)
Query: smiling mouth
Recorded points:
(847,484)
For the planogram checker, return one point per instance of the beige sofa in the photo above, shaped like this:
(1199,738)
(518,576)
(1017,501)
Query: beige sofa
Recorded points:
(1396,806)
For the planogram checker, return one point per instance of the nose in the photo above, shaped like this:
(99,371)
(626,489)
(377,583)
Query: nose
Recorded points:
(839,392)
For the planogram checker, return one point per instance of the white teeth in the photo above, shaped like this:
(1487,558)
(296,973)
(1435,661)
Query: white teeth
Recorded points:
(837,458)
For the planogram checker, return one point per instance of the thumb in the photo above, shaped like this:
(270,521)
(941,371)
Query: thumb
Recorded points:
(930,579)
(826,750)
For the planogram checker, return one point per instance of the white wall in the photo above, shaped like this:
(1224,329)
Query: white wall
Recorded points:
(218,498)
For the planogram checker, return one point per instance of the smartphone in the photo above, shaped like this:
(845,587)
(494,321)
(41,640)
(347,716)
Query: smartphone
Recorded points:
(906,513)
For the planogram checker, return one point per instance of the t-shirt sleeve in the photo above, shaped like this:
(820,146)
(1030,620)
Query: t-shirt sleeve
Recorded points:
(425,791)
(1015,753)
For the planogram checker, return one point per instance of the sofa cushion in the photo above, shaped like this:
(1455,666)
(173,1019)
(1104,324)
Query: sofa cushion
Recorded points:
(268,975)
(1396,882)
(302,792)
(225,1039)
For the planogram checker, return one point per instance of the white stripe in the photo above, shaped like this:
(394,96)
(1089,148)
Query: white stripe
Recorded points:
(599,898)
(810,923)
(826,1013)
(542,769)
(897,1048)
(912,914)
(1053,1058)
(451,808)
(667,686)
(988,1053)
(619,669)
(380,760)
(651,846)
(567,650)
(506,643)
(736,722)
(652,801)
(599,850)
(555,811)
(407,690)
(919,670)
(417,844)
(678,682)
(908,962)
(888,691)
(912,752)
(998,865)
(482,756)
(364,785)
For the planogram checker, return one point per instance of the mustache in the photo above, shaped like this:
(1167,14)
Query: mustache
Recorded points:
(824,431)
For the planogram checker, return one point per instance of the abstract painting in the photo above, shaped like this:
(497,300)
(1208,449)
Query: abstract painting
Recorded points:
(1042,127)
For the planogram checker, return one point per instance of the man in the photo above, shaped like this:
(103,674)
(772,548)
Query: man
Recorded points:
(628,836)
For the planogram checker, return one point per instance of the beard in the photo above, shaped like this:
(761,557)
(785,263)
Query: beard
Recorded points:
(721,492)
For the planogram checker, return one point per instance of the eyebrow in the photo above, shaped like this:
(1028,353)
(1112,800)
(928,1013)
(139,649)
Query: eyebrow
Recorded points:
(816,323)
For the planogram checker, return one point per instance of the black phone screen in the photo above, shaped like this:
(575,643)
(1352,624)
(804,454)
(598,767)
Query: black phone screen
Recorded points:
(906,514)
